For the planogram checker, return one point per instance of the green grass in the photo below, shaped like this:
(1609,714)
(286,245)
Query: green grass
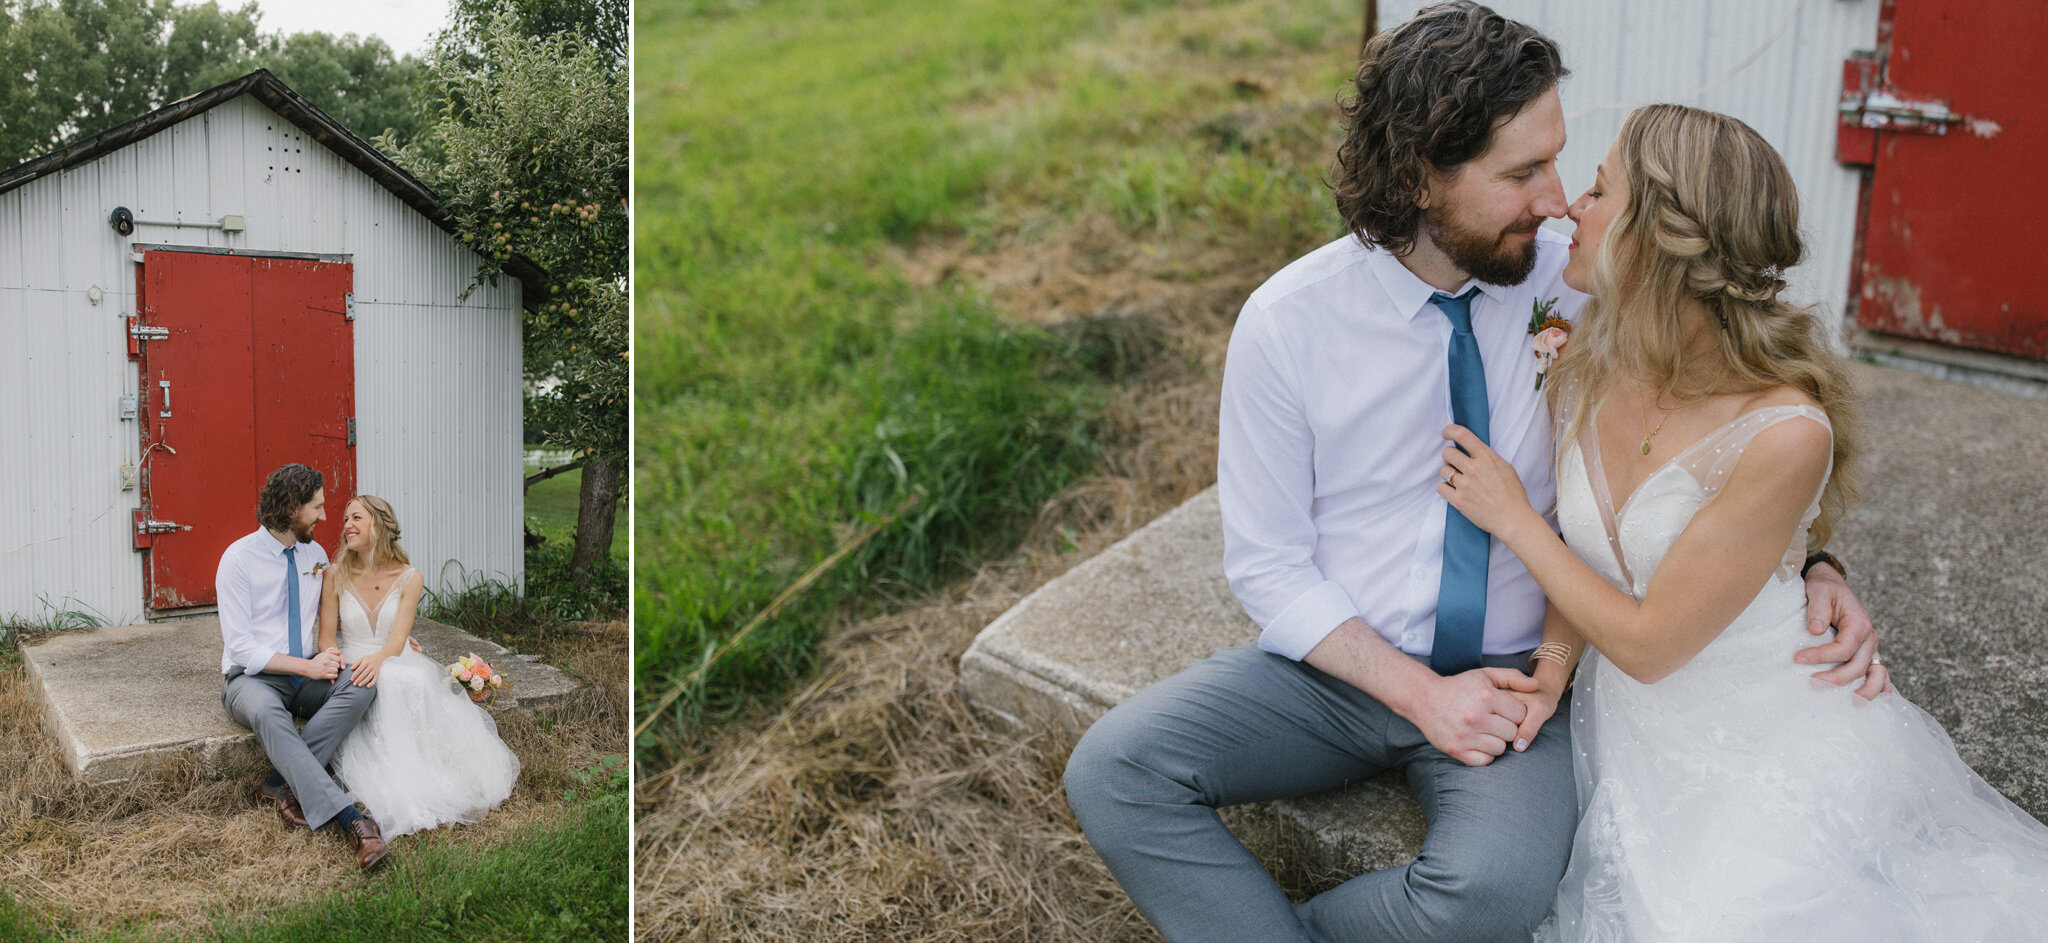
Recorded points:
(551,511)
(562,882)
(498,610)
(793,387)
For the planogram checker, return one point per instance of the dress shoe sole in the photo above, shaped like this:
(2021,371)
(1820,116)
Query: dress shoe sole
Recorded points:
(287,809)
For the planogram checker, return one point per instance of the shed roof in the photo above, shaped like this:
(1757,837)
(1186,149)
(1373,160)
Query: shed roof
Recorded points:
(292,107)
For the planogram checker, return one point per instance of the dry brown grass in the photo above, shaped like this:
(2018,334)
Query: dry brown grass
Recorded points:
(185,847)
(874,806)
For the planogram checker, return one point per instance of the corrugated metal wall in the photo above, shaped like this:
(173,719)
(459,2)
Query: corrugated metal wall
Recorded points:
(438,408)
(1776,64)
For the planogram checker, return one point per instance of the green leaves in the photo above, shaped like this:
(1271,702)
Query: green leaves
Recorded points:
(528,151)
(75,68)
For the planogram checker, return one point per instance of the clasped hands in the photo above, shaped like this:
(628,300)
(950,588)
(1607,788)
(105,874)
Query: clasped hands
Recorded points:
(1476,715)
(327,665)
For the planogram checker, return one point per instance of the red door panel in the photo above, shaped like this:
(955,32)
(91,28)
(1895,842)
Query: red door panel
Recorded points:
(305,375)
(1956,219)
(256,369)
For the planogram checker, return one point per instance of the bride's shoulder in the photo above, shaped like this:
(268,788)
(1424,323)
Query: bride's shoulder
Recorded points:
(1779,396)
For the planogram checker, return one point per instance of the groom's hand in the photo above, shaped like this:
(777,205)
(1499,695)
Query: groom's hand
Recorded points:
(1473,716)
(1829,601)
(325,666)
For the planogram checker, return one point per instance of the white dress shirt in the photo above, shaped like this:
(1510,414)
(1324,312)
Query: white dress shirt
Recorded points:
(250,591)
(1335,395)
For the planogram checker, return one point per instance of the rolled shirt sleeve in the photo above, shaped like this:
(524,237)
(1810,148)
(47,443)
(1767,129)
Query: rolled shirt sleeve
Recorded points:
(233,596)
(1265,476)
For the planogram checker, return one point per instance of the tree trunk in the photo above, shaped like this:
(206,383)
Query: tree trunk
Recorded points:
(597,508)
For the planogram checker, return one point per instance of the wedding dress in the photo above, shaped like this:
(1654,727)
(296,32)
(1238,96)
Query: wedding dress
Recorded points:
(423,755)
(1737,799)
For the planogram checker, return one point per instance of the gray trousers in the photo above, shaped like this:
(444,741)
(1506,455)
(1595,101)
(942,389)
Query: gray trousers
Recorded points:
(266,704)
(1248,726)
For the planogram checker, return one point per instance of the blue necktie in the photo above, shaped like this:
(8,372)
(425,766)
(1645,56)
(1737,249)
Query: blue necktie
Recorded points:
(291,604)
(1461,597)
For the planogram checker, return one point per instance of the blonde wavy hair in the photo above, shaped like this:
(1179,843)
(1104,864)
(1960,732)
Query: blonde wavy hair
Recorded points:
(1712,216)
(384,546)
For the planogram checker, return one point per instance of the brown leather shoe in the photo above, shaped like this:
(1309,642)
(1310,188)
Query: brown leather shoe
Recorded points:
(280,797)
(368,842)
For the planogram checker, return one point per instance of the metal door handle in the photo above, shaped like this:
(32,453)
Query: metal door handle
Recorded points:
(166,384)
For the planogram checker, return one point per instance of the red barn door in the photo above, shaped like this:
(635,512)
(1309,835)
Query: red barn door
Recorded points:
(247,364)
(1951,116)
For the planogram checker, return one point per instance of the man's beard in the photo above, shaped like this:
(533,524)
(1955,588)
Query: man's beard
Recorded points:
(302,531)
(1482,255)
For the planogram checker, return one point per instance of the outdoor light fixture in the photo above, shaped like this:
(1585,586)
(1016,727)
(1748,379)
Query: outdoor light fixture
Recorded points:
(124,223)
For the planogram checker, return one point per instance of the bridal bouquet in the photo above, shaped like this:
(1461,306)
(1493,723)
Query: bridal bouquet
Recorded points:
(477,679)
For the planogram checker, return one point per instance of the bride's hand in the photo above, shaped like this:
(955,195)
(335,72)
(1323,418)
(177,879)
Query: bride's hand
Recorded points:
(1481,484)
(1541,704)
(366,670)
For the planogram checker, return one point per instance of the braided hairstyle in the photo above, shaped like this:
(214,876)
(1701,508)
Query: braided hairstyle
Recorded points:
(1713,218)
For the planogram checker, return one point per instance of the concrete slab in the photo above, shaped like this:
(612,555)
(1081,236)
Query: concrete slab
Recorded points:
(1147,607)
(1948,546)
(120,699)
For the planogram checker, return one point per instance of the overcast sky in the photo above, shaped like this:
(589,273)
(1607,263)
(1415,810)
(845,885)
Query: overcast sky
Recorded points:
(407,26)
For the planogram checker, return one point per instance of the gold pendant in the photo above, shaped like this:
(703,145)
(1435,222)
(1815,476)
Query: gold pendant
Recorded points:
(1646,446)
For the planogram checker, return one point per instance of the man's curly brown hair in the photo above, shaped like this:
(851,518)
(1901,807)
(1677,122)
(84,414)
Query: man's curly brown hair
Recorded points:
(284,493)
(1427,96)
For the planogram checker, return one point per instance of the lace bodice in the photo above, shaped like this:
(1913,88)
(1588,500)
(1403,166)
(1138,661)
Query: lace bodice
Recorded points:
(1625,544)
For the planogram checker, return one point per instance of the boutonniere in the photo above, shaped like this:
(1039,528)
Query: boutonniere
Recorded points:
(1547,334)
(315,571)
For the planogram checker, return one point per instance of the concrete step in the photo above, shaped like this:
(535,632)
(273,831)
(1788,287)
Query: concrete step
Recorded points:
(120,699)
(1947,545)
(1147,607)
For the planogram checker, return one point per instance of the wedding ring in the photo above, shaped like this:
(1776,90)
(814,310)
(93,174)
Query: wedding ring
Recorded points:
(1876,659)
(1450,478)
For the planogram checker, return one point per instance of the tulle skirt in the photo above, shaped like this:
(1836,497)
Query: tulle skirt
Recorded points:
(1738,799)
(423,755)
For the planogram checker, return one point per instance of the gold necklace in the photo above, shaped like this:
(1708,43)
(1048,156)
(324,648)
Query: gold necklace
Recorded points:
(1645,449)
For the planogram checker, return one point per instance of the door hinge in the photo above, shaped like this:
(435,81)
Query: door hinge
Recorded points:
(351,432)
(141,333)
(348,306)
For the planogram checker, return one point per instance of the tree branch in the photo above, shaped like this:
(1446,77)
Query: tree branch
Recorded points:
(547,473)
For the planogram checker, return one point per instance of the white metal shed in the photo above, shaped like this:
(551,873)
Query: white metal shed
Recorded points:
(286,293)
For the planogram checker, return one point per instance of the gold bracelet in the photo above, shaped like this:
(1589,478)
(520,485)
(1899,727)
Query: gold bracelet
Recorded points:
(1552,651)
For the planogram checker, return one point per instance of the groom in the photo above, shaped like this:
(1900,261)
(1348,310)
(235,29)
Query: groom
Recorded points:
(1394,635)
(268,586)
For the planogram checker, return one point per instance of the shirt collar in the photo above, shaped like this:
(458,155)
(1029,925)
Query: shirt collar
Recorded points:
(1411,294)
(276,549)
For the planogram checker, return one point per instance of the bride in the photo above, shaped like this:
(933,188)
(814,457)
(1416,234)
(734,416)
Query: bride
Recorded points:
(1704,429)
(423,755)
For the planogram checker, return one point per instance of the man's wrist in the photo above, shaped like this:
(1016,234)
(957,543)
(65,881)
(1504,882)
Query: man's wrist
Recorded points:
(1410,688)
